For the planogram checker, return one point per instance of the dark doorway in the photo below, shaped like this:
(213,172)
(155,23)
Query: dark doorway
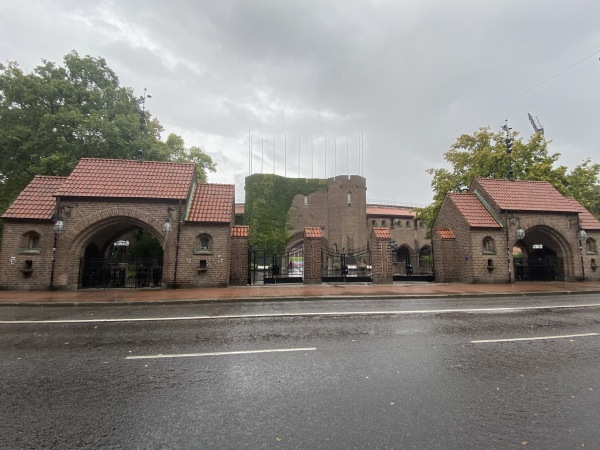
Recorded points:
(539,265)
(403,256)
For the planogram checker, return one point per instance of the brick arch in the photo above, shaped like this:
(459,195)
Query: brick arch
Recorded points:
(81,232)
(561,245)
(294,240)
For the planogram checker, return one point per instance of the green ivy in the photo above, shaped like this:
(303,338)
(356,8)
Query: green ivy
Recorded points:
(268,201)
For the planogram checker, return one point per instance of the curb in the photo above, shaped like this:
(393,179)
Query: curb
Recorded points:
(163,302)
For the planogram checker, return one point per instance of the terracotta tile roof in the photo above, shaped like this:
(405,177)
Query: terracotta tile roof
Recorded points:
(382,233)
(95,177)
(474,212)
(36,200)
(587,221)
(240,208)
(212,203)
(390,211)
(240,231)
(519,195)
(445,233)
(313,232)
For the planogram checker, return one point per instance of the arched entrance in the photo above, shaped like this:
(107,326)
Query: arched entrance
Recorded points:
(542,255)
(119,252)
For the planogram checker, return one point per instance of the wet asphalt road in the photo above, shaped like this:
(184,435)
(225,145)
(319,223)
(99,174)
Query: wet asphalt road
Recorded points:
(407,376)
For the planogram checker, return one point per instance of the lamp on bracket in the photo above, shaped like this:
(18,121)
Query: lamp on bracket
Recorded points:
(59,225)
(167,226)
(520,231)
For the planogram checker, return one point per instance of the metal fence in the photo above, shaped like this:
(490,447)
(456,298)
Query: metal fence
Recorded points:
(104,274)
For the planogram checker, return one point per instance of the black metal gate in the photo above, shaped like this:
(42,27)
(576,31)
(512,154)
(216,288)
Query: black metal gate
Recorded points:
(104,274)
(538,268)
(346,267)
(274,268)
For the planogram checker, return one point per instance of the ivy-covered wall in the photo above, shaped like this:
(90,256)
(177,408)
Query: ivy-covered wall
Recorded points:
(268,200)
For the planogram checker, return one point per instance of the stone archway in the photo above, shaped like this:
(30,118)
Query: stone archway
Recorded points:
(543,255)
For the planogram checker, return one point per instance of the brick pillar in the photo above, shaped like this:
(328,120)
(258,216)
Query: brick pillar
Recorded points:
(238,274)
(312,255)
(381,256)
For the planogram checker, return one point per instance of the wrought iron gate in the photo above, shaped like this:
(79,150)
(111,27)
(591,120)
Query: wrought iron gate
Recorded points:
(538,268)
(104,274)
(273,268)
(346,267)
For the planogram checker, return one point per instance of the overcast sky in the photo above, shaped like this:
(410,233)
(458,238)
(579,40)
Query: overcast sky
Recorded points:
(408,75)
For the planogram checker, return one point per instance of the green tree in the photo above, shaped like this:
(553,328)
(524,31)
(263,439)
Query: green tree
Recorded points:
(55,115)
(177,152)
(483,154)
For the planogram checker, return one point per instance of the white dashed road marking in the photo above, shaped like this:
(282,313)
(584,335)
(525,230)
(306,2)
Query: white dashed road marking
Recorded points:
(241,352)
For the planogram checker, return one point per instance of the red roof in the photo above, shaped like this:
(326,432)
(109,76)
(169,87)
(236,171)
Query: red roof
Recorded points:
(212,203)
(36,200)
(390,211)
(240,208)
(445,233)
(240,231)
(519,195)
(95,177)
(474,212)
(587,221)
(382,233)
(313,232)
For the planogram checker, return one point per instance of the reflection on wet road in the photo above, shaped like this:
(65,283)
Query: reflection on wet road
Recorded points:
(428,379)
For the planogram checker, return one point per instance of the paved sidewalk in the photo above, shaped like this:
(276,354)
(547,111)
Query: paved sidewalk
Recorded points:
(292,292)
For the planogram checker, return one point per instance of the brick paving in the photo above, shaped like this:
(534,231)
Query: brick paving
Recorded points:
(293,292)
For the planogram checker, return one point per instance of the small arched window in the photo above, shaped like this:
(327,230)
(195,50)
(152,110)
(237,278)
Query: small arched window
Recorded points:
(203,244)
(384,223)
(349,198)
(489,246)
(590,246)
(30,243)
(374,222)
(408,224)
(421,225)
(398,223)
(306,199)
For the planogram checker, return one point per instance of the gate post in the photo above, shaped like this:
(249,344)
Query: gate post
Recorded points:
(312,255)
(238,274)
(381,256)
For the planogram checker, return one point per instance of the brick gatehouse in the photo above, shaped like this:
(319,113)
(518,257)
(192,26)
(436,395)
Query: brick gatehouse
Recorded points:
(507,230)
(65,232)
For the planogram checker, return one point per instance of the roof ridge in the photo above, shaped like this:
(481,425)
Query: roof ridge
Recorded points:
(137,161)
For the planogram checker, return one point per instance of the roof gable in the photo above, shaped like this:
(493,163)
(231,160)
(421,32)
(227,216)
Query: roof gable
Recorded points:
(118,178)
(36,201)
(474,212)
(521,195)
(212,203)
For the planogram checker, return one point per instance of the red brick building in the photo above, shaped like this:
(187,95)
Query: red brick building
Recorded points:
(506,230)
(68,232)
(347,221)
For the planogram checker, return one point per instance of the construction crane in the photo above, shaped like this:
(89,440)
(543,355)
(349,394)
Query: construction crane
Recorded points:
(535,123)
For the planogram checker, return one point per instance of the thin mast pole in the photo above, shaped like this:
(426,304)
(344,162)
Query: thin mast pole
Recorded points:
(285,155)
(348,156)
